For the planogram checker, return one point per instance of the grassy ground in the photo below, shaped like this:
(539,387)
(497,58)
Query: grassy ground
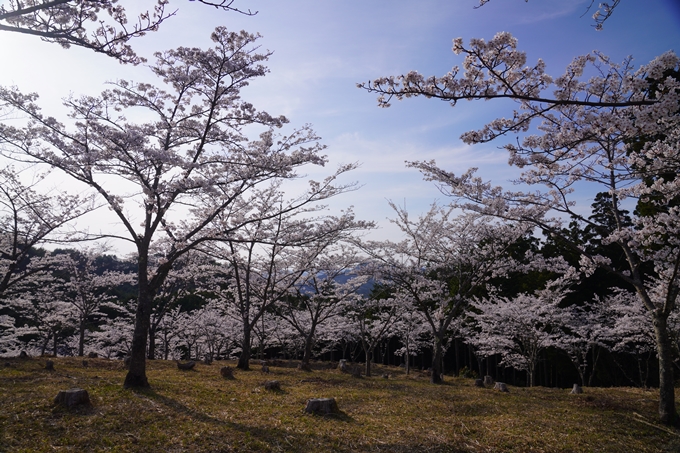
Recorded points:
(199,411)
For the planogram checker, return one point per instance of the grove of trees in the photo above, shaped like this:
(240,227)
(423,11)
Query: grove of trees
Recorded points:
(230,260)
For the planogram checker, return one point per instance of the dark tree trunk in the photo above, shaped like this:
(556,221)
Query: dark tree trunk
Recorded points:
(667,410)
(43,349)
(136,376)
(408,359)
(368,351)
(307,356)
(436,375)
(244,359)
(81,339)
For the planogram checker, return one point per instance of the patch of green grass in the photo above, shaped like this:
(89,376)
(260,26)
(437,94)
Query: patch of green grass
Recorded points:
(199,411)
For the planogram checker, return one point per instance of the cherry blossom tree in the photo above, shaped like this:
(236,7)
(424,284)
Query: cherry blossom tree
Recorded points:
(85,290)
(373,318)
(100,25)
(604,11)
(270,257)
(47,318)
(114,337)
(183,174)
(28,219)
(321,294)
(585,332)
(519,329)
(631,330)
(442,263)
(8,335)
(618,132)
(411,330)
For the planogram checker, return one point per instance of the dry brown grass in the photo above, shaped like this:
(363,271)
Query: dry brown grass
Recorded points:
(198,411)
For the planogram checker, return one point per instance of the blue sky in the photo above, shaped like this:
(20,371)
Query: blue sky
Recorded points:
(322,48)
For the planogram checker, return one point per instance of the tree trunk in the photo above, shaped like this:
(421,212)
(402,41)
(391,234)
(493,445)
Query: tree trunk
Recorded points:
(436,375)
(244,359)
(81,339)
(667,411)
(54,345)
(367,353)
(136,376)
(408,360)
(307,356)
(43,349)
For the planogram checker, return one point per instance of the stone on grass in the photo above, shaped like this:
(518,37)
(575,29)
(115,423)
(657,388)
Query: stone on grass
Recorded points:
(501,387)
(85,364)
(227,372)
(489,381)
(265,369)
(322,406)
(92,355)
(23,355)
(49,365)
(343,366)
(272,385)
(576,390)
(386,376)
(479,383)
(72,397)
(186,366)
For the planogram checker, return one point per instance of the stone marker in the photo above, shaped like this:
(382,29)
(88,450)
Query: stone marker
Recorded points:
(322,406)
(92,355)
(186,366)
(489,381)
(501,387)
(49,365)
(227,372)
(343,366)
(576,390)
(272,385)
(23,355)
(479,383)
(72,397)
(265,369)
